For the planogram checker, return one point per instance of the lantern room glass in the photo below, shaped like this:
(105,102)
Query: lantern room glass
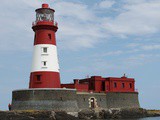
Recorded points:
(44,15)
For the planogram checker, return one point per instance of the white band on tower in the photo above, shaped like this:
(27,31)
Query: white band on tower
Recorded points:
(45,58)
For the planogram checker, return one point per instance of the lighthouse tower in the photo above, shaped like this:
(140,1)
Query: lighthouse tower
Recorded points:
(45,67)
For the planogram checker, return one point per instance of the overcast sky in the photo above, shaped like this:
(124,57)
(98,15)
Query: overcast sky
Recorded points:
(95,37)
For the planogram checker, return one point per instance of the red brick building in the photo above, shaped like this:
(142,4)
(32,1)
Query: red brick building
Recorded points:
(100,84)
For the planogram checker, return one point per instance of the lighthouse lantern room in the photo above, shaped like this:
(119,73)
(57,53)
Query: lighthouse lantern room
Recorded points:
(45,67)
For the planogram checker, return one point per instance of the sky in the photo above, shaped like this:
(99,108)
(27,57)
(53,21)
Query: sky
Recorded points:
(95,37)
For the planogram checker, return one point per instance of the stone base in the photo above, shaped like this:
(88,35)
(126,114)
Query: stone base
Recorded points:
(122,100)
(108,100)
(70,100)
(45,99)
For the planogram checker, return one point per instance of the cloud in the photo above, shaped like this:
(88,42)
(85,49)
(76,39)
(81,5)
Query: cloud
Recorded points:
(151,47)
(16,22)
(80,26)
(98,65)
(111,53)
(140,59)
(137,18)
(133,45)
(72,10)
(144,47)
(106,4)
(131,2)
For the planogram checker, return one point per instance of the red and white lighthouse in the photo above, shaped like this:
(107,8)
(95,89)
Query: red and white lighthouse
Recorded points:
(45,67)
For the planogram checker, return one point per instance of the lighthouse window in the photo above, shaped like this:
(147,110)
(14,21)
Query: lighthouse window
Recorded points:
(44,63)
(49,35)
(45,49)
(38,77)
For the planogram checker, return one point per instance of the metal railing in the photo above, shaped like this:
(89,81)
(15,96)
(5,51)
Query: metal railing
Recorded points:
(54,22)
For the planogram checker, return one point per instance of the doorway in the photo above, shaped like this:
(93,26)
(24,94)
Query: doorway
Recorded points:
(92,103)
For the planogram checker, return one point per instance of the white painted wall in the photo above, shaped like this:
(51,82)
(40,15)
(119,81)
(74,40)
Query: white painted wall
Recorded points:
(50,57)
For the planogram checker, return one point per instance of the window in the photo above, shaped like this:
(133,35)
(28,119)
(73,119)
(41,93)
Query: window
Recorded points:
(49,36)
(123,85)
(115,85)
(38,77)
(44,63)
(91,86)
(130,85)
(45,50)
(103,86)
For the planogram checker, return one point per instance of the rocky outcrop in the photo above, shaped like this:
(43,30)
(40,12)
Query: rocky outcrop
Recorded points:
(85,114)
(153,113)
(125,113)
(35,115)
(114,113)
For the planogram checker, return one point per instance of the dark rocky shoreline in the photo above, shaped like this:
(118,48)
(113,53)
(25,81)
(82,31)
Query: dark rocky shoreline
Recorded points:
(35,115)
(86,114)
(112,114)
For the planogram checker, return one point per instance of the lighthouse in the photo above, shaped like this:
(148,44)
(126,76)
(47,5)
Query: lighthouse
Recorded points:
(94,92)
(45,67)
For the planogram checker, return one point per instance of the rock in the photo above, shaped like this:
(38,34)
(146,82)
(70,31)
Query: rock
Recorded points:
(113,113)
(124,113)
(87,114)
(133,113)
(35,115)
(61,115)
(105,114)
(75,114)
(153,113)
(52,115)
(26,115)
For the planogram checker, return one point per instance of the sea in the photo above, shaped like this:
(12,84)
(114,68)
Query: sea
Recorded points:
(148,118)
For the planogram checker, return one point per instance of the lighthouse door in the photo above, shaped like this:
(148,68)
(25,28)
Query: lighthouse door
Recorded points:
(92,103)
